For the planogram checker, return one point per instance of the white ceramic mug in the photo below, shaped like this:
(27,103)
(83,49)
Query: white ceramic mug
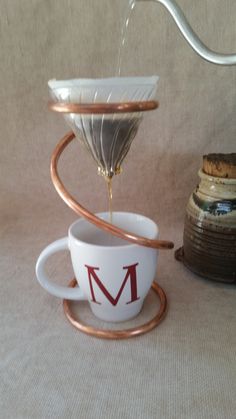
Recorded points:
(113,275)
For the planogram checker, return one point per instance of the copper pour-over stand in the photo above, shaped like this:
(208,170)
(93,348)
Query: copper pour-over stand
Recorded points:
(105,108)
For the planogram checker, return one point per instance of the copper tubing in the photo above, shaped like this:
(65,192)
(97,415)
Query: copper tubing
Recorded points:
(103,108)
(119,334)
(80,210)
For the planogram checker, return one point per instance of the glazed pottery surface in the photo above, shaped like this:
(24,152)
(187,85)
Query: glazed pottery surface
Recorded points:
(210,229)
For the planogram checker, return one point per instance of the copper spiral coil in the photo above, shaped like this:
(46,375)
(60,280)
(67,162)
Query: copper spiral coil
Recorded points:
(79,209)
(98,108)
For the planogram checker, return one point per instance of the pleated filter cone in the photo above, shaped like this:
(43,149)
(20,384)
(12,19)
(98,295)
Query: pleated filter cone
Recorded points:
(108,137)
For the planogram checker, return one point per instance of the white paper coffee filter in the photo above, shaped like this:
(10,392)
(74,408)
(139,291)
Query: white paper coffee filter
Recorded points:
(109,90)
(107,137)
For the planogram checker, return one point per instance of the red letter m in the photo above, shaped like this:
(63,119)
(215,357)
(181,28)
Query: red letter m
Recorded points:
(131,273)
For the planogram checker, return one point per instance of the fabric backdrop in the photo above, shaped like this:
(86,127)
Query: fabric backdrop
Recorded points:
(186,367)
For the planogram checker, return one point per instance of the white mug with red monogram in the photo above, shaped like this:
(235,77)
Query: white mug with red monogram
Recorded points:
(113,275)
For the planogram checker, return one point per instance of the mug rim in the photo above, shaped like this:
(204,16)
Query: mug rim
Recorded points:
(106,213)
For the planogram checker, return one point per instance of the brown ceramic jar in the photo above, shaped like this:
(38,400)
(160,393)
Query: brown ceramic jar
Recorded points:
(210,224)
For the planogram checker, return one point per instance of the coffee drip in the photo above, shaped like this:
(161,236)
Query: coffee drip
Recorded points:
(108,139)
(109,190)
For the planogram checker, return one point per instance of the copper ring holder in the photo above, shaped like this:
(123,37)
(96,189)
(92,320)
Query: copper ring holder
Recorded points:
(118,334)
(84,212)
(103,108)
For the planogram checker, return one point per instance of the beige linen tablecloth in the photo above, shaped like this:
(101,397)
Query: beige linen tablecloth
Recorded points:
(185,368)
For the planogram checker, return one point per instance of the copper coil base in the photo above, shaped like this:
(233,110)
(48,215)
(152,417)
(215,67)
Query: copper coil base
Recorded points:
(118,334)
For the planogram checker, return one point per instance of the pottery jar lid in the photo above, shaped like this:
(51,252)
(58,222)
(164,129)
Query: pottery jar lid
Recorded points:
(220,165)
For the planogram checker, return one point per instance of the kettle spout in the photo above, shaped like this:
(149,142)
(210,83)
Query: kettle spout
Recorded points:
(190,36)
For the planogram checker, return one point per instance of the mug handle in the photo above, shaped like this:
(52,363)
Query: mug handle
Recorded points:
(54,289)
